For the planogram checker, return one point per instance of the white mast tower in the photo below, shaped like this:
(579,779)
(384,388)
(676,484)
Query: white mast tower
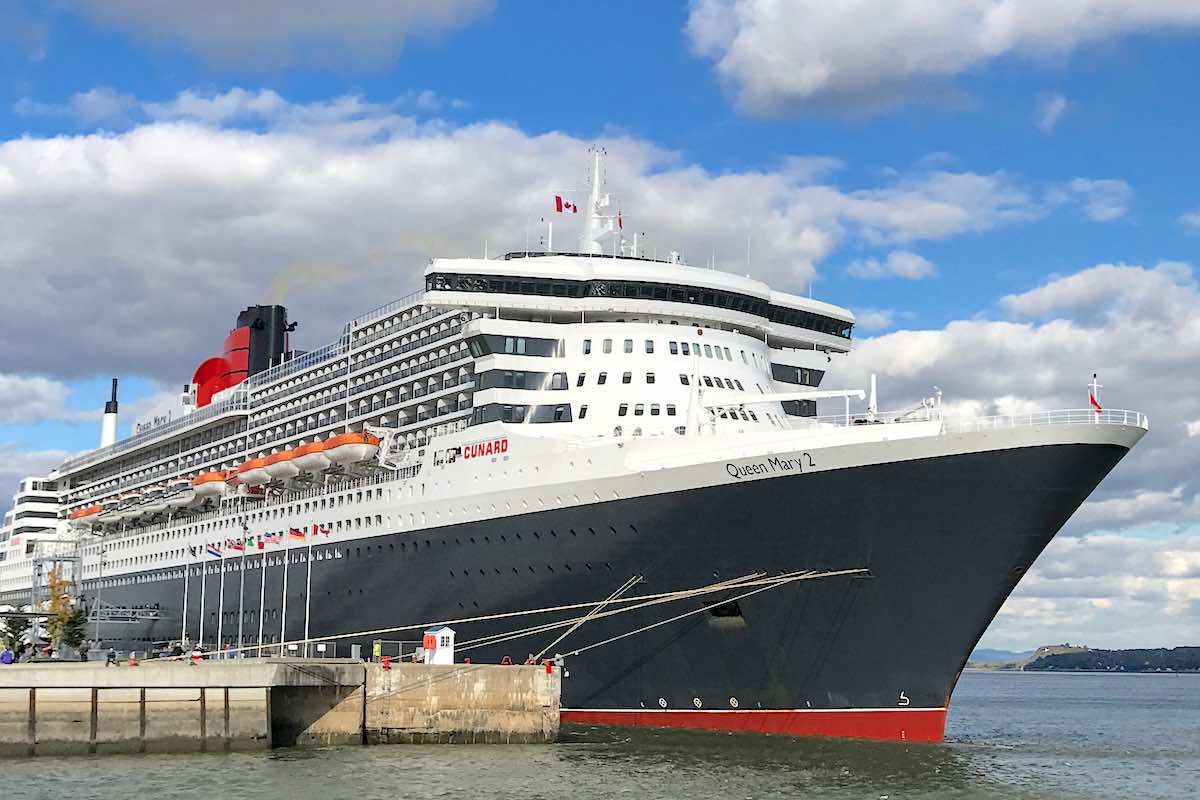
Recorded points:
(601,224)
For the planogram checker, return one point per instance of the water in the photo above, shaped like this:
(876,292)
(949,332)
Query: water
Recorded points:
(1010,735)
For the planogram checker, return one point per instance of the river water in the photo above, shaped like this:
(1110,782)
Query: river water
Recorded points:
(1009,735)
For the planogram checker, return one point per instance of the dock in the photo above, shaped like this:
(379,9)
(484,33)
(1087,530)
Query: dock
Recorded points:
(257,704)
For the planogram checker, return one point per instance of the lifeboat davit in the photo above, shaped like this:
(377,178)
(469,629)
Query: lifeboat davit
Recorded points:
(254,472)
(209,484)
(351,448)
(281,467)
(83,517)
(108,511)
(311,457)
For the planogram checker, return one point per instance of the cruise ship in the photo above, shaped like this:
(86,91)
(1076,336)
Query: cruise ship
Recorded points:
(608,460)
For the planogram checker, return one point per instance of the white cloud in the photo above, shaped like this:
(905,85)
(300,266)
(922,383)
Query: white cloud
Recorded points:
(28,399)
(874,319)
(268,34)
(898,264)
(221,197)
(1051,109)
(780,56)
(1103,200)
(1190,219)
(17,464)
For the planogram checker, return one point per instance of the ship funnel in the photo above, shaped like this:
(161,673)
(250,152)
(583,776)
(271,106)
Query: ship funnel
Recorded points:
(872,402)
(108,427)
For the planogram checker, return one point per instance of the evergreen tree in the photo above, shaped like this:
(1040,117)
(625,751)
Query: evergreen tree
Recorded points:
(14,631)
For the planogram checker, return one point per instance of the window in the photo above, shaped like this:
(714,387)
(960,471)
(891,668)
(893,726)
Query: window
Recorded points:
(654,409)
(649,345)
(639,409)
(561,414)
(626,377)
(670,409)
(728,355)
(739,385)
(728,383)
(622,409)
(514,345)
(583,411)
(579,380)
(683,379)
(707,381)
(649,377)
(674,347)
(608,345)
(629,345)
(587,347)
(744,360)
(684,347)
(602,379)
(719,356)
(708,351)
(558,381)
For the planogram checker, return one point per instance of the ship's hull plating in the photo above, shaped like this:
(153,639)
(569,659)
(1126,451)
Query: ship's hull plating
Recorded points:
(945,539)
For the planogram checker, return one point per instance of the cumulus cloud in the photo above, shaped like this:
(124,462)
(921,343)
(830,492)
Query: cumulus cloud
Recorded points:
(1103,200)
(223,196)
(873,319)
(1190,219)
(28,399)
(17,464)
(268,34)
(781,57)
(1050,111)
(898,264)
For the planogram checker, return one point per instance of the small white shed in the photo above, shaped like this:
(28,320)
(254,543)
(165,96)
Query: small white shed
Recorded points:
(438,644)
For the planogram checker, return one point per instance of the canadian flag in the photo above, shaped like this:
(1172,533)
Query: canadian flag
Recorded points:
(1092,399)
(562,206)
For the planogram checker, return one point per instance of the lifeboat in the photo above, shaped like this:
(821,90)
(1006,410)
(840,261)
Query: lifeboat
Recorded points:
(108,511)
(311,457)
(281,467)
(84,517)
(253,472)
(155,501)
(180,493)
(351,448)
(209,484)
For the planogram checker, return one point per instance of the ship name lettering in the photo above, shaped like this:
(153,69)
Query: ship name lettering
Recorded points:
(488,448)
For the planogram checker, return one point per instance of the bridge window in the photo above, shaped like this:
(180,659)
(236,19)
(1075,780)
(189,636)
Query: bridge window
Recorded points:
(649,345)
(626,377)
(602,379)
(622,409)
(587,347)
(629,345)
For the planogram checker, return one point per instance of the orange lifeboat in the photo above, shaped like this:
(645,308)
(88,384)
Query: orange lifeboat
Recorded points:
(311,457)
(350,448)
(254,472)
(84,516)
(209,484)
(281,466)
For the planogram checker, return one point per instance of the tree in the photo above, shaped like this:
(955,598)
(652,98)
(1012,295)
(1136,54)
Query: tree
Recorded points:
(74,628)
(60,607)
(14,631)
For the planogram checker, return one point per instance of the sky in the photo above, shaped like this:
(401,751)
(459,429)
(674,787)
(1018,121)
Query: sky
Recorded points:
(1003,191)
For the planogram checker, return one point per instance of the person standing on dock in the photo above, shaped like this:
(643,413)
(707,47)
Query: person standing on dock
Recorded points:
(6,656)
(111,660)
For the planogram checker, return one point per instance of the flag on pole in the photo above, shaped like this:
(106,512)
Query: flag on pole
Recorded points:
(562,205)
(620,222)
(1095,402)
(237,544)
(320,530)
(273,538)
(259,542)
(214,551)
(296,533)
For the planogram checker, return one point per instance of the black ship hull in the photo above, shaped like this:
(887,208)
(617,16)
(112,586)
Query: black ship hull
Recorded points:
(874,655)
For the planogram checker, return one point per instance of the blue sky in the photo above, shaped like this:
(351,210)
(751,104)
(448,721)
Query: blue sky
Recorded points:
(956,175)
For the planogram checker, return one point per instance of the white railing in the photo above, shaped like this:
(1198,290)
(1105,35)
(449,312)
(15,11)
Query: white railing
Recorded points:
(1068,416)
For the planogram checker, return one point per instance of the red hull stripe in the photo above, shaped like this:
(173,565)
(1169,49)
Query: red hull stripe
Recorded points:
(914,725)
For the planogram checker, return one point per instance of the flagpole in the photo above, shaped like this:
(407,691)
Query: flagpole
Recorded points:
(203,587)
(287,557)
(307,595)
(221,603)
(262,594)
(241,594)
(187,571)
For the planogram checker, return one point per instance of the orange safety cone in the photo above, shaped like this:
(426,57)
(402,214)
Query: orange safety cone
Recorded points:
(133,662)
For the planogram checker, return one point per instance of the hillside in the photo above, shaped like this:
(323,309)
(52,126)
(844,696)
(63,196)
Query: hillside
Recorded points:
(1161,659)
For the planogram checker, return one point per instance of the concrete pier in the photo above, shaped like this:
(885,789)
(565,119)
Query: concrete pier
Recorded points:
(261,703)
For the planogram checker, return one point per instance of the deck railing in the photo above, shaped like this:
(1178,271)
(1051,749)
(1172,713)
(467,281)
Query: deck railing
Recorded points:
(1065,416)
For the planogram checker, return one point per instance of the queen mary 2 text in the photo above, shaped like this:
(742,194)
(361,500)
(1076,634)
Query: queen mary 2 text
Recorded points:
(770,466)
